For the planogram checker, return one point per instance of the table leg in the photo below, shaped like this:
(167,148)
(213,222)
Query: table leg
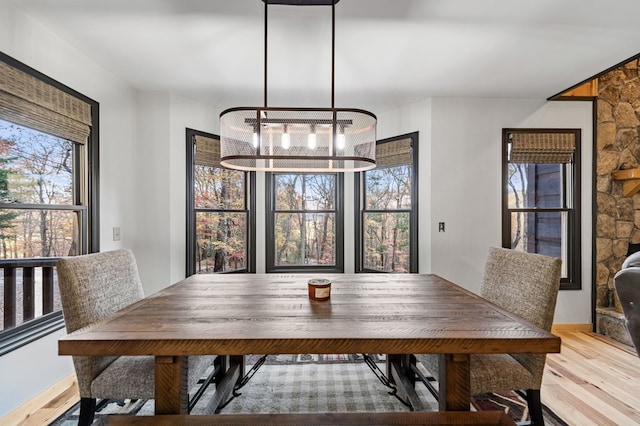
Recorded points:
(171,377)
(455,382)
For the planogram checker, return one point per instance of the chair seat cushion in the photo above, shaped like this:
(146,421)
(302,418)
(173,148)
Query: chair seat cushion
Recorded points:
(499,373)
(126,377)
(489,373)
(133,377)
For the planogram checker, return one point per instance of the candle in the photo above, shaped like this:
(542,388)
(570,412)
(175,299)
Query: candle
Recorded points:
(319,289)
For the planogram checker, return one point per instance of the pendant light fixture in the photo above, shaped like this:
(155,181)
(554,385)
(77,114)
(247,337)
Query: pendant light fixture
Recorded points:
(298,139)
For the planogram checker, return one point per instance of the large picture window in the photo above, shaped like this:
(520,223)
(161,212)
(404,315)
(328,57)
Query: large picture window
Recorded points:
(387,203)
(219,237)
(48,195)
(541,196)
(304,223)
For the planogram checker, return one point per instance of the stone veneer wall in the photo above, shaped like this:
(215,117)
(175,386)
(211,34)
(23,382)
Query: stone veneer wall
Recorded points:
(617,217)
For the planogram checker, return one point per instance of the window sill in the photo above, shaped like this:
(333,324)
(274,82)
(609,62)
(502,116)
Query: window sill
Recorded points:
(22,335)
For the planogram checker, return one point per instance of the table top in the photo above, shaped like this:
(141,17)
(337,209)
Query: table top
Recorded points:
(236,314)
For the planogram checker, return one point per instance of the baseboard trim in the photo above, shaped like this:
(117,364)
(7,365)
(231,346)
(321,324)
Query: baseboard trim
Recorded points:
(40,410)
(571,327)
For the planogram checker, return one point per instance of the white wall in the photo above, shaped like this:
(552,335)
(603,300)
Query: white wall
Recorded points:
(29,370)
(160,204)
(185,113)
(151,207)
(467,184)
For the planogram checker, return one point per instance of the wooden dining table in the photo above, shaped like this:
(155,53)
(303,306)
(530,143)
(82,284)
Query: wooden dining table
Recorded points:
(232,315)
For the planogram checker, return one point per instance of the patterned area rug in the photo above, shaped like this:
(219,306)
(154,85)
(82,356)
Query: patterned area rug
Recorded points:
(312,383)
(514,405)
(315,385)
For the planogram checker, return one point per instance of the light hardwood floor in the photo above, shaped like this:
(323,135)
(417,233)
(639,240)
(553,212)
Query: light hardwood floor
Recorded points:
(593,381)
(47,406)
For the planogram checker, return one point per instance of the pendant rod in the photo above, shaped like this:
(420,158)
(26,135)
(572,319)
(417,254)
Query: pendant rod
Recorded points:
(333,53)
(266,4)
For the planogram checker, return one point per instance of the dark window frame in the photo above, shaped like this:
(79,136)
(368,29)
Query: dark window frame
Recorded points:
(249,202)
(37,328)
(360,209)
(573,281)
(270,225)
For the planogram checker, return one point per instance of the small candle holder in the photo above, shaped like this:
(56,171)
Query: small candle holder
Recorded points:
(319,289)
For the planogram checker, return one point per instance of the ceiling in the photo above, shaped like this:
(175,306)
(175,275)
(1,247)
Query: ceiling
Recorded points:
(388,53)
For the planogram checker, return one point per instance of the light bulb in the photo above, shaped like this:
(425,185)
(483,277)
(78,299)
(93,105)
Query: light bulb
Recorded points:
(286,139)
(340,141)
(255,139)
(311,141)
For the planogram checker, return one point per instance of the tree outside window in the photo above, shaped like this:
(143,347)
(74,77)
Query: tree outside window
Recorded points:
(387,230)
(306,222)
(218,234)
(36,180)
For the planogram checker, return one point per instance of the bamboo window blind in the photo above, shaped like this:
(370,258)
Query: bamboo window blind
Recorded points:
(31,102)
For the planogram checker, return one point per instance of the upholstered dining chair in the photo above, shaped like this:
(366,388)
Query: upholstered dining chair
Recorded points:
(93,287)
(627,284)
(527,285)
(633,260)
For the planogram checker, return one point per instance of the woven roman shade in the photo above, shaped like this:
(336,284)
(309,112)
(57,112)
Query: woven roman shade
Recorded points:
(207,151)
(393,154)
(542,148)
(30,102)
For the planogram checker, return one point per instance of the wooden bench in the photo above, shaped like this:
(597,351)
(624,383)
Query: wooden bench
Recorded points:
(487,418)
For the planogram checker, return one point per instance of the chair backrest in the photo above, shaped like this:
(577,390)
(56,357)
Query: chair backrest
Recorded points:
(92,288)
(633,260)
(627,284)
(525,284)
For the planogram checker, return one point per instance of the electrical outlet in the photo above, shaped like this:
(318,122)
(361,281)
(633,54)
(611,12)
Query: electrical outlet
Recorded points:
(440,226)
(116,233)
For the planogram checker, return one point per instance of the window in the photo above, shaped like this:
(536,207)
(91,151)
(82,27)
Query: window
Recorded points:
(220,205)
(387,206)
(541,196)
(36,180)
(48,195)
(304,222)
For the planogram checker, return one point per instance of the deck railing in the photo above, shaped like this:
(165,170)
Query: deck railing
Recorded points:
(28,290)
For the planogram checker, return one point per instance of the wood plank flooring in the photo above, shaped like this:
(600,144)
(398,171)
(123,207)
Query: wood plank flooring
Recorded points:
(593,381)
(47,406)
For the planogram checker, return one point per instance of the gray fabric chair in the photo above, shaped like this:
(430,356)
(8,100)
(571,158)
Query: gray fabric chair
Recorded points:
(633,260)
(527,285)
(93,287)
(627,284)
